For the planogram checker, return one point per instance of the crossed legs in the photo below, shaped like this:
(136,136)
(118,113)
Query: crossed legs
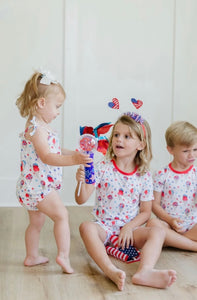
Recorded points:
(174,239)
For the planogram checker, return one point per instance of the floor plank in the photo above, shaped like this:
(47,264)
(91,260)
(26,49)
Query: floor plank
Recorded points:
(88,282)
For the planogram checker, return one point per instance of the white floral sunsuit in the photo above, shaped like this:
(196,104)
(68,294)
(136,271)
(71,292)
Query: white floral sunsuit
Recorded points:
(37,179)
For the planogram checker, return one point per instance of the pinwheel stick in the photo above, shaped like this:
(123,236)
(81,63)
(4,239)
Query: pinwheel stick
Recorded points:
(79,189)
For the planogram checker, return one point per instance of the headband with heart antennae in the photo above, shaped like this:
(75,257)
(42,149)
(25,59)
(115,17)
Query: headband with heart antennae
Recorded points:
(114,104)
(137,118)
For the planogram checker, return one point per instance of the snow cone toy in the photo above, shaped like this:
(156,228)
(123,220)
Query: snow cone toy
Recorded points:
(91,140)
(88,144)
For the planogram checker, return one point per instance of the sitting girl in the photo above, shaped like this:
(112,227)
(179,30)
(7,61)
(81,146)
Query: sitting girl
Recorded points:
(123,204)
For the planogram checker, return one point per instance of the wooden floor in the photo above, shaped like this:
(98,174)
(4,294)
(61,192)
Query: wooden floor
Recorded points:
(88,282)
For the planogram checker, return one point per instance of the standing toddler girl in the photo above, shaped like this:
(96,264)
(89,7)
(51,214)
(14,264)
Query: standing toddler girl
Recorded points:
(41,167)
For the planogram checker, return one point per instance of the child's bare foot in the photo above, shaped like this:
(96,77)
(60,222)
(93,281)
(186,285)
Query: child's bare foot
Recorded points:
(65,264)
(33,261)
(155,278)
(117,276)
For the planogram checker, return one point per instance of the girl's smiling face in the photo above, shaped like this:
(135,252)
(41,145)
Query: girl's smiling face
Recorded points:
(125,142)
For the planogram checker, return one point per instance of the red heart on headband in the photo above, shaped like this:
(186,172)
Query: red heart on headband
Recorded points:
(114,104)
(136,103)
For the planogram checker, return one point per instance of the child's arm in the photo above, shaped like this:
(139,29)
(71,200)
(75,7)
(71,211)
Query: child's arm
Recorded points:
(39,140)
(67,151)
(158,210)
(86,189)
(163,215)
(126,233)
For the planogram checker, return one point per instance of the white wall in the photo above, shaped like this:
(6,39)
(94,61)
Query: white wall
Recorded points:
(31,36)
(144,49)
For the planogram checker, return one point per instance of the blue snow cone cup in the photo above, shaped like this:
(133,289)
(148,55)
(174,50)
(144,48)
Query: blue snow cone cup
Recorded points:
(89,171)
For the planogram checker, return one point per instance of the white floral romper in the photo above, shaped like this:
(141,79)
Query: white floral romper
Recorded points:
(37,179)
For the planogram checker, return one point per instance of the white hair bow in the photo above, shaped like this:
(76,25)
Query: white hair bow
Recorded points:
(47,78)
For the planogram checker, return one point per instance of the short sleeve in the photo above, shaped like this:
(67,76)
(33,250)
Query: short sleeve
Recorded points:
(99,170)
(158,181)
(147,187)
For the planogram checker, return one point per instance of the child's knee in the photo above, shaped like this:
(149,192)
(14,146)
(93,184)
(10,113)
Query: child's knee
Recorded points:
(83,228)
(86,228)
(61,215)
(158,232)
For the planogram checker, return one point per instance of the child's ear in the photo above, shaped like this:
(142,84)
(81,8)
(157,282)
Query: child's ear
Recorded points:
(141,146)
(170,150)
(41,102)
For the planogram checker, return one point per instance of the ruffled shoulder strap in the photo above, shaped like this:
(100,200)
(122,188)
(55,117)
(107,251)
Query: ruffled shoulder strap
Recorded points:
(33,126)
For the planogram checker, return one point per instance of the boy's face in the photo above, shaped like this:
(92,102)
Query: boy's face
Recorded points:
(184,156)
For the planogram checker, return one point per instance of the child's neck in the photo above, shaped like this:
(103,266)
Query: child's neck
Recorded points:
(40,120)
(180,167)
(125,165)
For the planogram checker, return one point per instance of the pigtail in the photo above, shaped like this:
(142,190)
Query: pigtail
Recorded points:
(26,102)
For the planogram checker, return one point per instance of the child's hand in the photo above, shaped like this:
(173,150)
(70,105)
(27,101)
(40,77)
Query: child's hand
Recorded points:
(125,238)
(80,175)
(176,225)
(80,158)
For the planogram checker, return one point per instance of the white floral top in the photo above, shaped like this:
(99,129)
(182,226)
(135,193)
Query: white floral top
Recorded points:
(118,194)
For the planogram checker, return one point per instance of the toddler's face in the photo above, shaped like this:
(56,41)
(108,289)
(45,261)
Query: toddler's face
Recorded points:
(53,102)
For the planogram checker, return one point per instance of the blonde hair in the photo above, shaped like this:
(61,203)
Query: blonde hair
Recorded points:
(144,156)
(34,90)
(181,133)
